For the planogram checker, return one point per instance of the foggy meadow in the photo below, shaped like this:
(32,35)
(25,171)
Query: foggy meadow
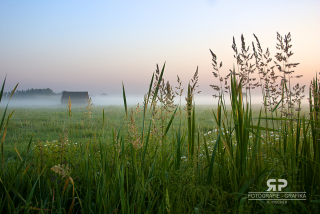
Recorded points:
(170,153)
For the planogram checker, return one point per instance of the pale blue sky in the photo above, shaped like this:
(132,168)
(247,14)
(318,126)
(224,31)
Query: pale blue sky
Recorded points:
(95,45)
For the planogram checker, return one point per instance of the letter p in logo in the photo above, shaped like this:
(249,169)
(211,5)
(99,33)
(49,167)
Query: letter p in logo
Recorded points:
(285,183)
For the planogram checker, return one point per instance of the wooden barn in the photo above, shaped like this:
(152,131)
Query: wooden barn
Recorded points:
(77,98)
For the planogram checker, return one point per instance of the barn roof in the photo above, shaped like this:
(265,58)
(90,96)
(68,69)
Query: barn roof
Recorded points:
(75,95)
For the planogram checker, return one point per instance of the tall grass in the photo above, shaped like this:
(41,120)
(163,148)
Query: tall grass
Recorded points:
(161,166)
(2,124)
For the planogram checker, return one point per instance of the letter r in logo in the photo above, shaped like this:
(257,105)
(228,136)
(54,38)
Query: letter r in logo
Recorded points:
(273,187)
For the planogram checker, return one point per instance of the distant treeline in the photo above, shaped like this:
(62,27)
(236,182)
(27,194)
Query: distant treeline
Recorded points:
(30,93)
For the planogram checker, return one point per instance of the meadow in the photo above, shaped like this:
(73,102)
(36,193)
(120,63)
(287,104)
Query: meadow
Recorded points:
(162,157)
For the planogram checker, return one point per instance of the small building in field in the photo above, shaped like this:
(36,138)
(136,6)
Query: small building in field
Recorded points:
(77,98)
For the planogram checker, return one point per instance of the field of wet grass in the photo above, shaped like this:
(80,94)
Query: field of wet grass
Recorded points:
(162,157)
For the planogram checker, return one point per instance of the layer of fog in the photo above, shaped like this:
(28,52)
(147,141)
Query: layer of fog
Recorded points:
(118,100)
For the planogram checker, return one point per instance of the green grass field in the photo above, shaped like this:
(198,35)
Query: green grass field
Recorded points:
(50,123)
(164,158)
(47,124)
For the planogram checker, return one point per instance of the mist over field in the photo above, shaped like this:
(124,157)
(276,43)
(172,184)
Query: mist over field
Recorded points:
(54,101)
(106,101)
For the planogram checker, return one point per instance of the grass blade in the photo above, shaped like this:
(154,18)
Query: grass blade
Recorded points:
(124,100)
(210,173)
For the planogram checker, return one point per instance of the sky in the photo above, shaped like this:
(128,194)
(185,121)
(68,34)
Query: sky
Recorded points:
(96,45)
